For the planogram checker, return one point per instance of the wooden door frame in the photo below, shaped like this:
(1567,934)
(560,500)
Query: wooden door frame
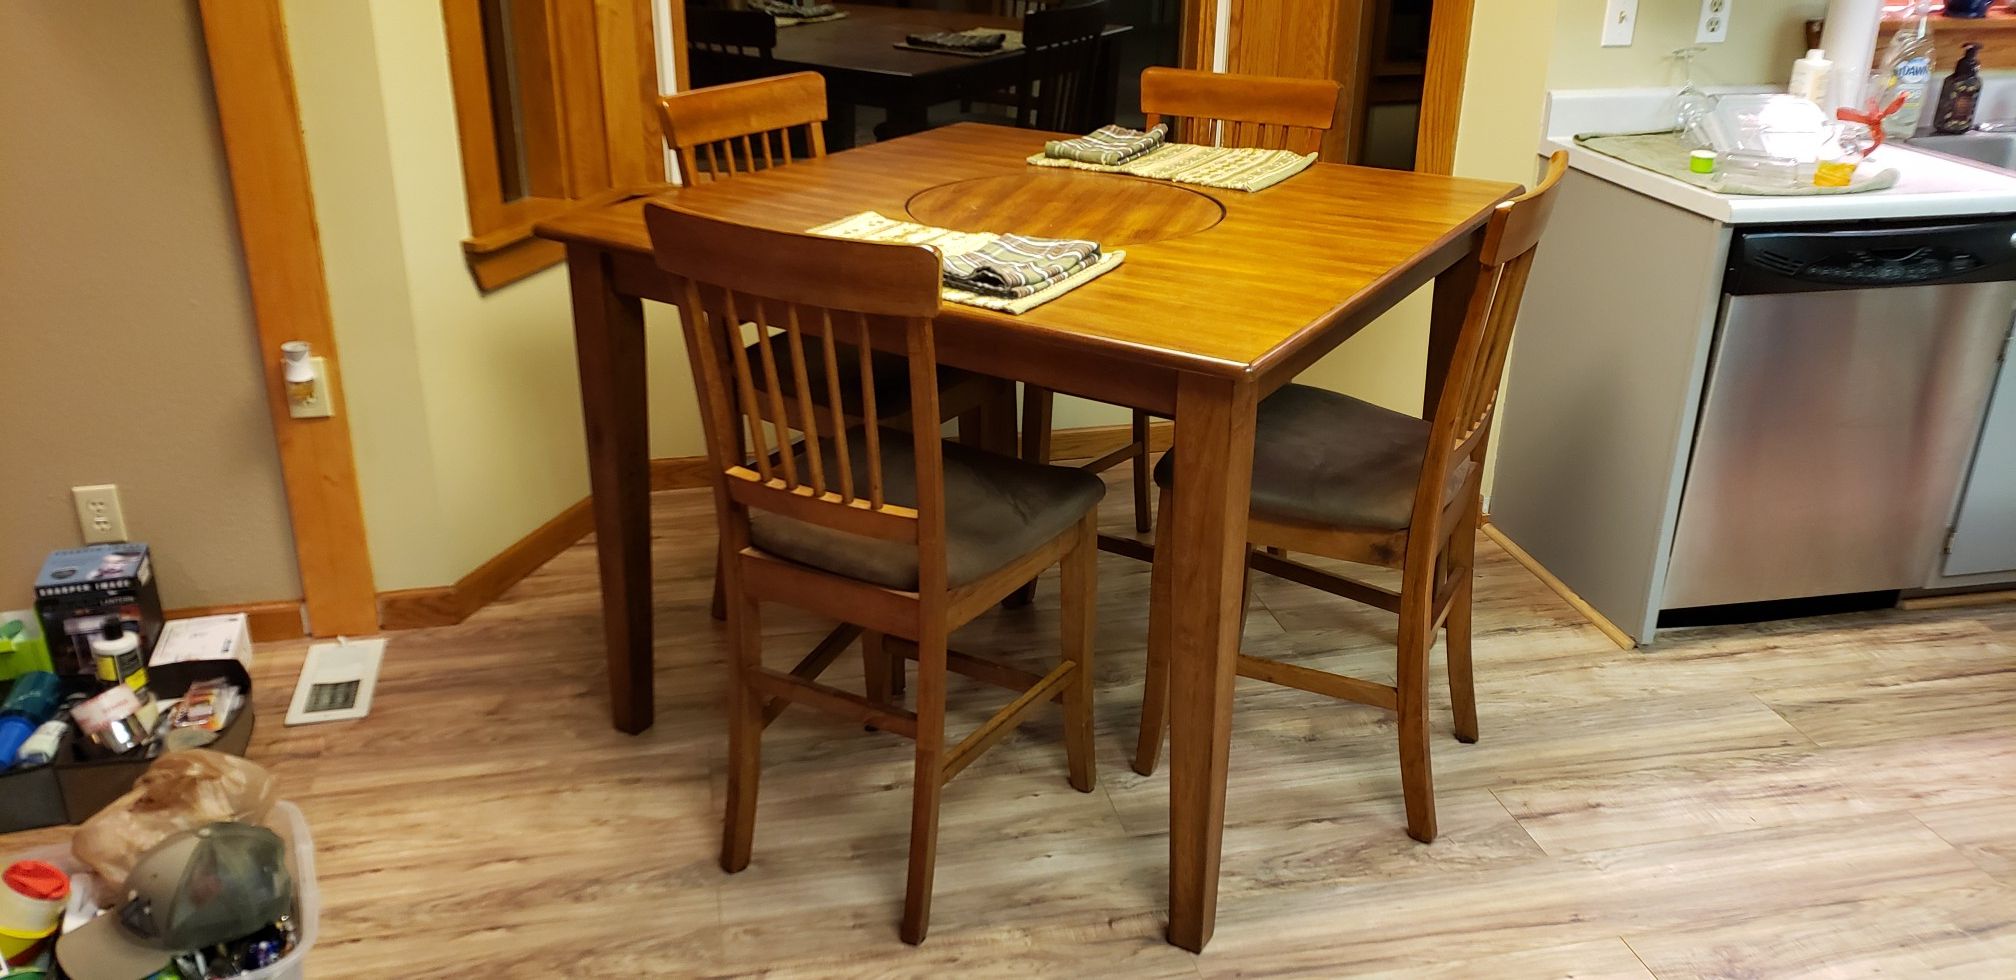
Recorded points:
(253,79)
(1442,90)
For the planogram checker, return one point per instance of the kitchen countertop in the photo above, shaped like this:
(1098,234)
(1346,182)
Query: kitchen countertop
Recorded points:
(1929,184)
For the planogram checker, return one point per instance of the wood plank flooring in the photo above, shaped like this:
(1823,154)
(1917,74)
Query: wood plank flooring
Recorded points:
(1818,798)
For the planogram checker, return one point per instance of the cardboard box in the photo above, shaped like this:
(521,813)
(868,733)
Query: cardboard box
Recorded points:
(79,588)
(227,637)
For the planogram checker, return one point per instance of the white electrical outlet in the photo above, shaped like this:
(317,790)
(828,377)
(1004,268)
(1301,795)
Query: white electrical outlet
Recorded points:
(98,513)
(1620,22)
(1714,21)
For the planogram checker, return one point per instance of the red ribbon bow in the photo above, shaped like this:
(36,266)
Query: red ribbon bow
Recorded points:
(1872,119)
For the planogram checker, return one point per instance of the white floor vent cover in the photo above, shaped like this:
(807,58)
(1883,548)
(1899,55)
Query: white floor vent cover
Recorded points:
(336,681)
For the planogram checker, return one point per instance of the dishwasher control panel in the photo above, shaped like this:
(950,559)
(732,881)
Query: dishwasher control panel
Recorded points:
(1814,259)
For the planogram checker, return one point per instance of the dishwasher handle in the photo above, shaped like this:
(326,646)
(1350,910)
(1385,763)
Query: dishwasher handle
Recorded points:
(1823,258)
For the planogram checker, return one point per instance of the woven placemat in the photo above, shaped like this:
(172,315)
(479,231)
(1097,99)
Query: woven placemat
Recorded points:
(872,227)
(1224,167)
(1666,154)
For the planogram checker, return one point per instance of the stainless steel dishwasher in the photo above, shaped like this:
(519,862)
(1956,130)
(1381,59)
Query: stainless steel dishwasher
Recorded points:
(1849,377)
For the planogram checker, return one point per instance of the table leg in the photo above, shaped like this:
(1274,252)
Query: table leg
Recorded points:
(609,344)
(906,116)
(1214,474)
(1453,289)
(839,123)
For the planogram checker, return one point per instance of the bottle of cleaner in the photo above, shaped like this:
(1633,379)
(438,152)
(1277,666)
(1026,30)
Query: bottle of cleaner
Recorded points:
(1812,77)
(1961,96)
(1907,71)
(40,748)
(30,703)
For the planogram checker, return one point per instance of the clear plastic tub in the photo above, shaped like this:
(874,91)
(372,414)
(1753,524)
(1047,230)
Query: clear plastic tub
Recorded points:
(285,820)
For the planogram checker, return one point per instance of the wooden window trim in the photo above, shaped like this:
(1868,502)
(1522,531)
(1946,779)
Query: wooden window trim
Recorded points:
(603,136)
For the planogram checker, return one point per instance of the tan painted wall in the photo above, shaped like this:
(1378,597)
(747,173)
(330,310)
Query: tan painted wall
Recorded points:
(127,342)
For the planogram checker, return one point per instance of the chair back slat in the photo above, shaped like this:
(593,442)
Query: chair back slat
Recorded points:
(1061,68)
(745,127)
(1463,413)
(1257,111)
(766,315)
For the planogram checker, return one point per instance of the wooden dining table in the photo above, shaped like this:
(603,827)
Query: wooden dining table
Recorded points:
(862,65)
(1224,296)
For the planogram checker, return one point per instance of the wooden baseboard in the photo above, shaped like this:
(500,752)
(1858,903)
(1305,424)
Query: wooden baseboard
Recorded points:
(678,473)
(266,621)
(1597,619)
(451,604)
(447,605)
(1957,600)
(1092,442)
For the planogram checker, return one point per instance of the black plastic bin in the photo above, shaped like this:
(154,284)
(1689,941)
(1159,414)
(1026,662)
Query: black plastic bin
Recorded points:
(73,787)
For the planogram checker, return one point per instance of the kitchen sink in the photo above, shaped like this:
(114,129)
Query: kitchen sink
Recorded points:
(1993,149)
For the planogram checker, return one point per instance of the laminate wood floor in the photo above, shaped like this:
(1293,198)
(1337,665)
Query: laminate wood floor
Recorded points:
(1828,797)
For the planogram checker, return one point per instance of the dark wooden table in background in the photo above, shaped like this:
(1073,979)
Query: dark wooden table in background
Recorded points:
(1196,326)
(863,66)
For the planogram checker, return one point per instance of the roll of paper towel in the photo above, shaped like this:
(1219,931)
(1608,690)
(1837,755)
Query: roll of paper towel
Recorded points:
(1850,41)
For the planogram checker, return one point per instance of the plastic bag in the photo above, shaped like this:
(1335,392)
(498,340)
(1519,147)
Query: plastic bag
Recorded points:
(180,791)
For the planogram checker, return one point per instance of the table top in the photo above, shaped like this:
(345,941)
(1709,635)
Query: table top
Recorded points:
(1235,295)
(864,41)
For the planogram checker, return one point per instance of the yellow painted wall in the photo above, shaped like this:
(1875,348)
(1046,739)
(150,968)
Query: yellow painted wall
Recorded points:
(465,407)
(1765,37)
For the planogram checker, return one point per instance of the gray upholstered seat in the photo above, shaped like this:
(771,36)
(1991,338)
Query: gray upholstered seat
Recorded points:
(891,373)
(1328,459)
(997,509)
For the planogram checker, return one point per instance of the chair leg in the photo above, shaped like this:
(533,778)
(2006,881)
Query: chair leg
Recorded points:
(1417,779)
(875,668)
(1036,406)
(1462,683)
(745,734)
(898,676)
(719,608)
(1079,593)
(1155,687)
(1144,519)
(971,427)
(929,784)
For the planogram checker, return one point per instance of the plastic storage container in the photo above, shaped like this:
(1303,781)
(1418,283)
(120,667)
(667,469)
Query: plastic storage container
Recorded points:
(74,787)
(285,820)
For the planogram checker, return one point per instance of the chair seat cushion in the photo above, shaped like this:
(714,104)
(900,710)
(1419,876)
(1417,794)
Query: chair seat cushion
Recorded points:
(997,509)
(891,375)
(1328,459)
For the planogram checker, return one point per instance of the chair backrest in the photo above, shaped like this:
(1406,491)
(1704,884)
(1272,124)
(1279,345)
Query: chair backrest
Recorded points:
(1061,77)
(749,33)
(1462,425)
(724,45)
(816,304)
(1240,110)
(743,127)
(1013,8)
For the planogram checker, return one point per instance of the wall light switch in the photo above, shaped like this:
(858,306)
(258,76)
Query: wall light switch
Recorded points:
(1620,22)
(1714,21)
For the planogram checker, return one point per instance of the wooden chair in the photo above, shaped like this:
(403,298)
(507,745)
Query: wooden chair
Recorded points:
(1220,110)
(1341,478)
(903,536)
(744,127)
(1060,68)
(723,131)
(722,43)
